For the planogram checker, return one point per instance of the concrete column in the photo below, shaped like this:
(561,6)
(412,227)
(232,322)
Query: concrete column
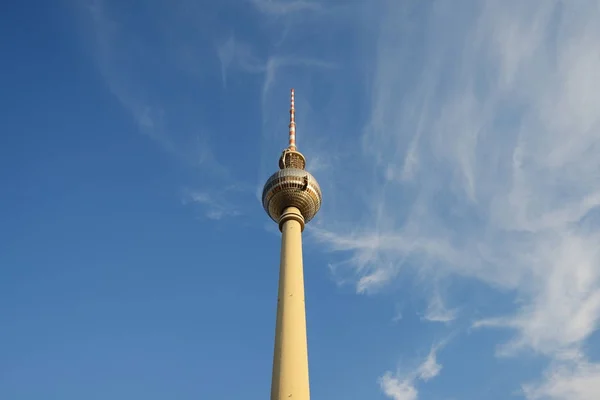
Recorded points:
(290,361)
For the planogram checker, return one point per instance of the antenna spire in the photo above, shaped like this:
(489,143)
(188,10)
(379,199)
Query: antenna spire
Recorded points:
(292,145)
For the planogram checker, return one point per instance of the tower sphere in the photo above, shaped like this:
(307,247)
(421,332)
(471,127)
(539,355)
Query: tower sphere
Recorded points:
(292,187)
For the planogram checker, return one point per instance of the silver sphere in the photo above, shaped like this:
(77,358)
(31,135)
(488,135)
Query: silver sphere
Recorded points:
(291,187)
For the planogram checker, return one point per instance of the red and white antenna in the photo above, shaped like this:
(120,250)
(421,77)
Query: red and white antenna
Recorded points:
(292,145)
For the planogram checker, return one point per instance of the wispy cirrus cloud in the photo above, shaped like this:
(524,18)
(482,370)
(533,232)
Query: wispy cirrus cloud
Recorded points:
(107,47)
(437,311)
(403,386)
(236,54)
(285,7)
(484,164)
(575,379)
(131,64)
(215,204)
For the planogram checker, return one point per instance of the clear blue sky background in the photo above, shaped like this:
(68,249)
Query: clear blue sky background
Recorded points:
(456,254)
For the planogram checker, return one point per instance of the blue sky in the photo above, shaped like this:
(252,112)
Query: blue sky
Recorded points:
(457,144)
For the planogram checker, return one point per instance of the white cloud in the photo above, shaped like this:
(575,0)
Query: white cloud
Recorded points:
(577,379)
(437,311)
(430,367)
(215,204)
(284,7)
(397,317)
(563,304)
(396,389)
(498,130)
(399,386)
(373,280)
(120,54)
(226,53)
(237,54)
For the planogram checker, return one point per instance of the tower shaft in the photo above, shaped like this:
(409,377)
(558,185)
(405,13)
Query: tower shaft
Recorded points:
(290,360)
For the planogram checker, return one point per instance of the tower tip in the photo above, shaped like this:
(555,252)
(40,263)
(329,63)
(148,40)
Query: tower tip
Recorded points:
(292,139)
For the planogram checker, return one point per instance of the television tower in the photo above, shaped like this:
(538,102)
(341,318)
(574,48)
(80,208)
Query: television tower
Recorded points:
(291,197)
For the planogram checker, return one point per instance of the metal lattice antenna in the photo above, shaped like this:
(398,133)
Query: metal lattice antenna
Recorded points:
(292,144)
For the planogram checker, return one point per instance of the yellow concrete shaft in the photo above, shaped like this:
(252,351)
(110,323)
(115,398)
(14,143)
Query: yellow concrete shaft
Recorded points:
(290,360)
